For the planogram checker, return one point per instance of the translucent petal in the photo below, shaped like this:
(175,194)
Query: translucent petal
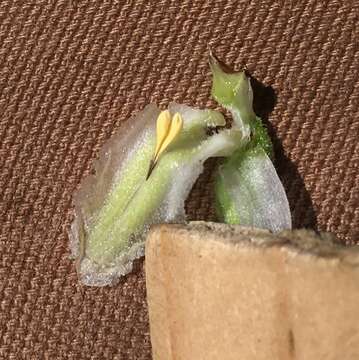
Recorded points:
(254,190)
(116,207)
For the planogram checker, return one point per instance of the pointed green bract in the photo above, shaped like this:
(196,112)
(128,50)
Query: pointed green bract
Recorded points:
(248,190)
(234,92)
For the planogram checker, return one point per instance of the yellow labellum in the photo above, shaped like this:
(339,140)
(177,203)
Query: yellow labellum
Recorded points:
(167,130)
(174,130)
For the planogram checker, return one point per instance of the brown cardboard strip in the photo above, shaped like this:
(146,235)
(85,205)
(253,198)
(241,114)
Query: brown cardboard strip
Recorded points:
(221,292)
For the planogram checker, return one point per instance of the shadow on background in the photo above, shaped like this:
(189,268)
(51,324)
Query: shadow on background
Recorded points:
(301,205)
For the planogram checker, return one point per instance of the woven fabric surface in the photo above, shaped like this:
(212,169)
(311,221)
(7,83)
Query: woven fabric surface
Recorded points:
(72,71)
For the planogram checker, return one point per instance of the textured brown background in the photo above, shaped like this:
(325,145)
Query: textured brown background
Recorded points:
(72,71)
